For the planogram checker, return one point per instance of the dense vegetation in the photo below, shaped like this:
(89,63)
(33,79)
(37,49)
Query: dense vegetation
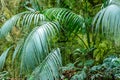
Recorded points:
(59,39)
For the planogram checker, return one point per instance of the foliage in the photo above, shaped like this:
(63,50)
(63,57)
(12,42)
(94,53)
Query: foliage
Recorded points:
(51,64)
(73,72)
(107,21)
(31,51)
(3,75)
(41,36)
(103,50)
(3,58)
(83,44)
(109,69)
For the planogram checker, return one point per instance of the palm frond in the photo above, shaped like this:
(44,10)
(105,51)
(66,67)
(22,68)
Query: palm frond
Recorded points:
(24,18)
(49,69)
(72,21)
(107,21)
(36,17)
(3,58)
(7,27)
(36,46)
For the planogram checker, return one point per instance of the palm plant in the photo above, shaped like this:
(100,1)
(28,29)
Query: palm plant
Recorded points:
(34,50)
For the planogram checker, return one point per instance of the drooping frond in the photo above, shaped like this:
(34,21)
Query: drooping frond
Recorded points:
(72,21)
(3,58)
(24,18)
(49,69)
(36,46)
(107,21)
(7,27)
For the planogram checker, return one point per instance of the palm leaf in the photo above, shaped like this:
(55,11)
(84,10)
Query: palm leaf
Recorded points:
(24,18)
(49,69)
(107,21)
(3,58)
(36,46)
(7,27)
(72,21)
(36,17)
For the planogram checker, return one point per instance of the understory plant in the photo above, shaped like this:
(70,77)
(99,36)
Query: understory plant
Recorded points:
(36,51)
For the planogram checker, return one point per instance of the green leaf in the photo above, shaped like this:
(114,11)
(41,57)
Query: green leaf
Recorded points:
(37,45)
(107,22)
(80,75)
(3,58)
(36,17)
(49,69)
(70,20)
(89,62)
(24,18)
(7,27)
